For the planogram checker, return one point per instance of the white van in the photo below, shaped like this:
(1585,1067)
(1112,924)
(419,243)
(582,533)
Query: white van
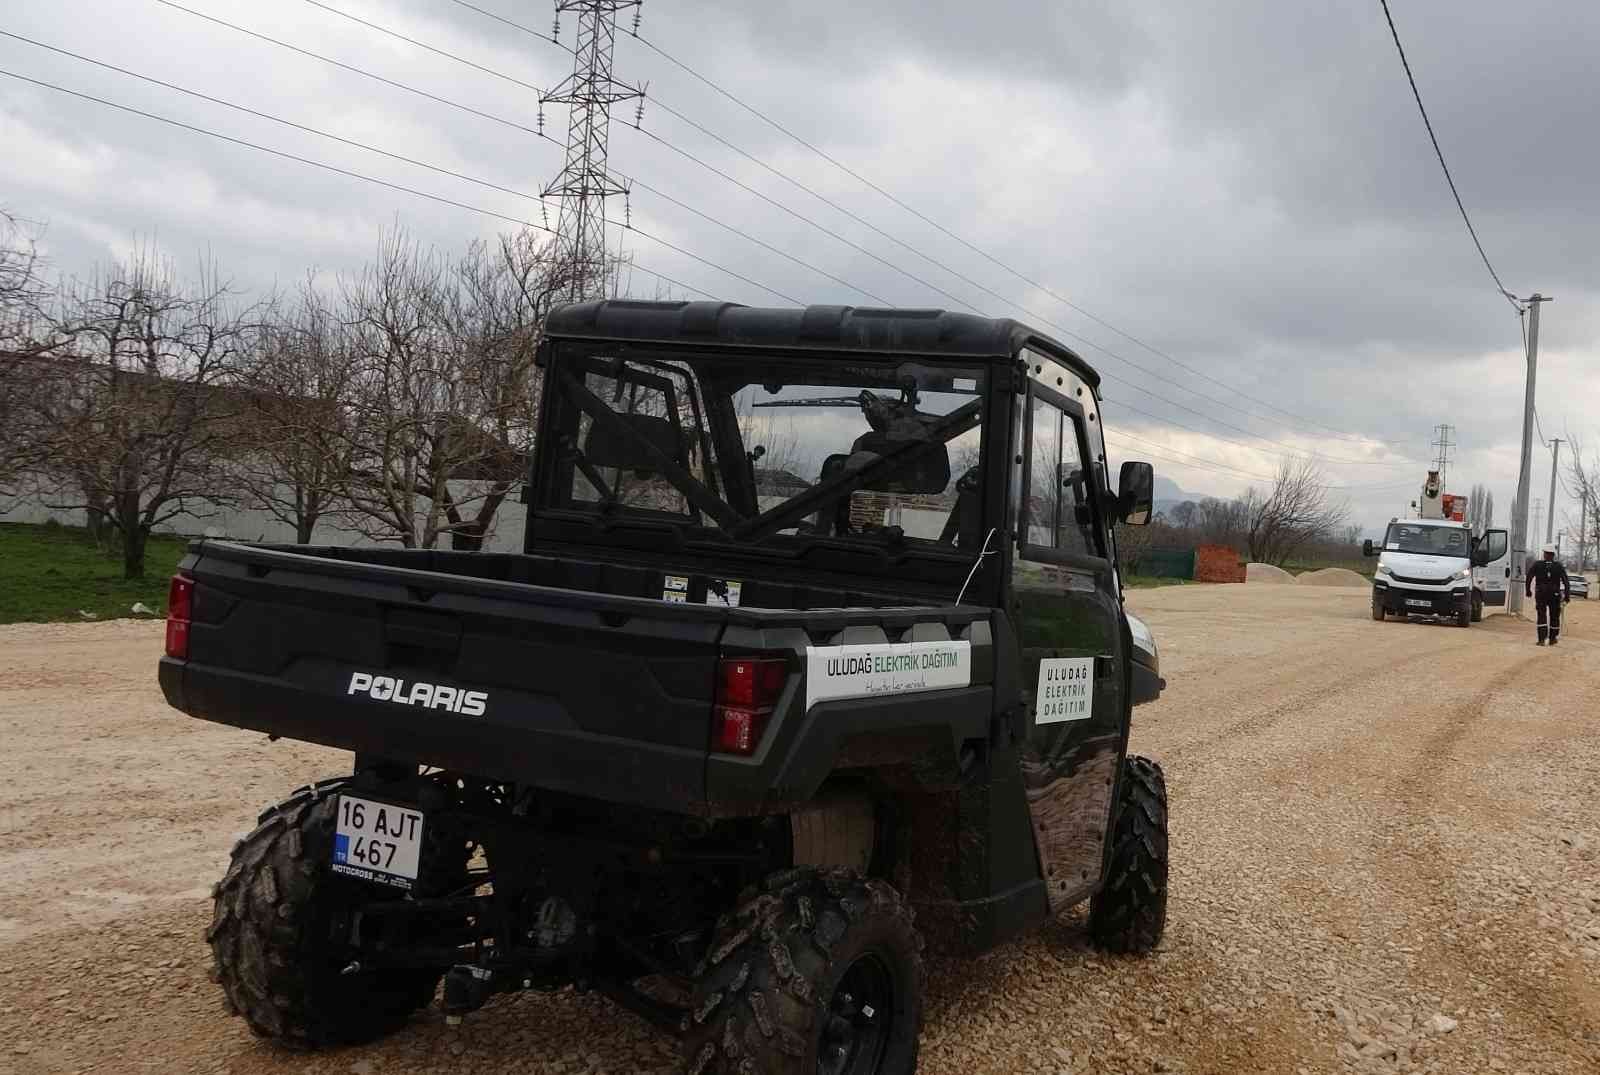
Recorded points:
(1435,567)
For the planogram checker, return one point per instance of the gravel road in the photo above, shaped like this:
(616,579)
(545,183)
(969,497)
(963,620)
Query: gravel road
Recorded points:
(1386,857)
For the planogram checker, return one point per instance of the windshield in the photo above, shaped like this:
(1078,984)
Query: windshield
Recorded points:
(1429,540)
(763,450)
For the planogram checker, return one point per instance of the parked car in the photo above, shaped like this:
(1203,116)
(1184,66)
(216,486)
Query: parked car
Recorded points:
(1580,586)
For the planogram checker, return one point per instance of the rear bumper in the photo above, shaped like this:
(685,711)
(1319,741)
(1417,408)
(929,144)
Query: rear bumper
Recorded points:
(1418,602)
(557,758)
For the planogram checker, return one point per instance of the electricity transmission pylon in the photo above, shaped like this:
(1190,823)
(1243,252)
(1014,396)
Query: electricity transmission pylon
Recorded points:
(585,181)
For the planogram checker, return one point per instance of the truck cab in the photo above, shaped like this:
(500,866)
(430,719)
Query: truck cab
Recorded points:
(1437,568)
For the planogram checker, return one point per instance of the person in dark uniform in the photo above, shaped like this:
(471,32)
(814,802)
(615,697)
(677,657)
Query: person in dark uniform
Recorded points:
(1548,586)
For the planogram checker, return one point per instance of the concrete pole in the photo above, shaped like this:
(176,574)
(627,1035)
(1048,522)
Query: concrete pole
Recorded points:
(1555,454)
(1519,524)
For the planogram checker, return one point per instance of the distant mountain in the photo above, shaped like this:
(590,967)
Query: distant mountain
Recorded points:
(1167,491)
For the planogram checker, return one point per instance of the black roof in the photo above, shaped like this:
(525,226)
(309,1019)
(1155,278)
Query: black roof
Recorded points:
(833,328)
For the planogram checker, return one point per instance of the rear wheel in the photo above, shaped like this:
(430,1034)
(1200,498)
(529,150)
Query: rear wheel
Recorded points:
(820,973)
(1129,913)
(280,930)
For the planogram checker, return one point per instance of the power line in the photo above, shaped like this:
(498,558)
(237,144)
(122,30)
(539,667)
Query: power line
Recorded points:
(351,68)
(925,283)
(488,184)
(390,185)
(1426,122)
(952,235)
(1155,395)
(1033,314)
(452,104)
(430,48)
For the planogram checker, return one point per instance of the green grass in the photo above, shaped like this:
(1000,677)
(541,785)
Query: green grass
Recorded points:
(1149,582)
(49,573)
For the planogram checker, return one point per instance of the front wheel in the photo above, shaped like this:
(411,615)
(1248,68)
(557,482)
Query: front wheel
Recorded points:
(820,973)
(1377,608)
(279,936)
(1477,607)
(1465,618)
(1129,913)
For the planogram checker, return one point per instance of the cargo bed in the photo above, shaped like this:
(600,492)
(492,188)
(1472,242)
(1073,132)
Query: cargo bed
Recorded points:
(569,675)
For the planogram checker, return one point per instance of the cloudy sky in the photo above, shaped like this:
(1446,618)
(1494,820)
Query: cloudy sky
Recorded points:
(1245,188)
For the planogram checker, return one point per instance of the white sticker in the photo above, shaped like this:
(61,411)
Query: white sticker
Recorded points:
(964,384)
(729,599)
(1065,691)
(676,582)
(892,668)
(1392,546)
(676,597)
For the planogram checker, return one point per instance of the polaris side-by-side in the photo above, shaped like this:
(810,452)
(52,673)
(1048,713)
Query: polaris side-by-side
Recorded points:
(816,650)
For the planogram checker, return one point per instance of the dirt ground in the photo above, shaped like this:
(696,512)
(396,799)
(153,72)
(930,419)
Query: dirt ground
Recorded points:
(1386,857)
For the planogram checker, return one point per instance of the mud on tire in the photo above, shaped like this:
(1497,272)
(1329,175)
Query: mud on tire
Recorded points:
(277,936)
(1129,913)
(792,975)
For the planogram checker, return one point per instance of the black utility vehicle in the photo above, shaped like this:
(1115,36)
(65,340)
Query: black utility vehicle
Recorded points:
(817,625)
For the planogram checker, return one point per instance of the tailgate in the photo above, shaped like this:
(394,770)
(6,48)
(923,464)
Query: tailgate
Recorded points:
(602,696)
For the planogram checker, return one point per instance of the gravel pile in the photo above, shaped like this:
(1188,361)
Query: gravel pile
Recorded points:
(1267,573)
(1333,576)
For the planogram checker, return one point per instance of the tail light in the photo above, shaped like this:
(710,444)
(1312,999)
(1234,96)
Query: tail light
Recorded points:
(747,689)
(180,610)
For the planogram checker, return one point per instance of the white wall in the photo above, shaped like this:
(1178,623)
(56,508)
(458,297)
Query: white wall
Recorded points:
(244,523)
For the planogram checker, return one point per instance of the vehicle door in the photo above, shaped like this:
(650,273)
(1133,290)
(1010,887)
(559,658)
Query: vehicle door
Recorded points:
(1492,578)
(1067,613)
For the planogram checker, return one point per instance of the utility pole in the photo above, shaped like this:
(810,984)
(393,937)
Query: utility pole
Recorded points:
(585,183)
(1538,518)
(1555,454)
(1519,524)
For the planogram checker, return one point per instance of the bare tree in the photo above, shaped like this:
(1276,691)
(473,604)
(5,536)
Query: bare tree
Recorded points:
(25,337)
(139,411)
(501,298)
(1294,511)
(1480,509)
(443,389)
(1185,515)
(1583,483)
(297,378)
(1221,522)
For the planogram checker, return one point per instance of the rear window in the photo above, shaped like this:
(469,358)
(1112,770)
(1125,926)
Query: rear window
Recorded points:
(762,451)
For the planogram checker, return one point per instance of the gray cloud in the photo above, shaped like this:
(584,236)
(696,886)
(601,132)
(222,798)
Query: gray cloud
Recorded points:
(1245,186)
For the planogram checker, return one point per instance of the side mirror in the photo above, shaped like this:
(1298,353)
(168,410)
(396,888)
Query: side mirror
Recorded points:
(1367,549)
(1490,547)
(1136,492)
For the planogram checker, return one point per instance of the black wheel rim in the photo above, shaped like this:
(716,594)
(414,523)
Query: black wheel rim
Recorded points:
(859,1019)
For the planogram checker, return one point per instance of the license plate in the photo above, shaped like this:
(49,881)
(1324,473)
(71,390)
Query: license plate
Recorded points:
(377,841)
(1419,602)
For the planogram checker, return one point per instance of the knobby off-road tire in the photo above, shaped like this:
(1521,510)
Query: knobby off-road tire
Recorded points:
(1129,913)
(277,936)
(818,971)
